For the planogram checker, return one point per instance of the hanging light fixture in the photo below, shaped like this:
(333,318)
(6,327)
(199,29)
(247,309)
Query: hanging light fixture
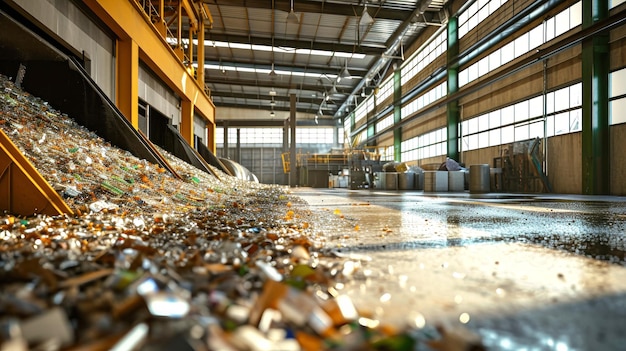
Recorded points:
(366,19)
(272,72)
(272,114)
(344,74)
(292,17)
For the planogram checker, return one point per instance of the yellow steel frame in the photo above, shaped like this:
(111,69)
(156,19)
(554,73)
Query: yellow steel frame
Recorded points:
(286,163)
(314,159)
(140,39)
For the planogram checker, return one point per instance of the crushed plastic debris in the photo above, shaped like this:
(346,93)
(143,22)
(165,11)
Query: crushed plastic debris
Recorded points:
(152,262)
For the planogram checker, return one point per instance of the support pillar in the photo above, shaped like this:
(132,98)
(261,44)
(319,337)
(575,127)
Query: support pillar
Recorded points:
(225,148)
(397,115)
(293,173)
(186,122)
(595,73)
(238,146)
(286,149)
(127,92)
(200,48)
(452,110)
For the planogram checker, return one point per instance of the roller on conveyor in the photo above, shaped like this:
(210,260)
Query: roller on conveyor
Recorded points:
(239,171)
(213,160)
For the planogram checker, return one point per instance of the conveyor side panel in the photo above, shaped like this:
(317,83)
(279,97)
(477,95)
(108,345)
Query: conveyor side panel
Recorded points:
(211,159)
(172,141)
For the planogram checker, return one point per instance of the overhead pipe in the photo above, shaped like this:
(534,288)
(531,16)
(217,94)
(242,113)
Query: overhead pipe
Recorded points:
(392,45)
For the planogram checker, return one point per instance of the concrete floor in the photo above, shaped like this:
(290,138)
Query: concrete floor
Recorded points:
(524,272)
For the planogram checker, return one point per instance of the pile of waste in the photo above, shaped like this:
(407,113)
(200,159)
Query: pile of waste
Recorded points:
(152,262)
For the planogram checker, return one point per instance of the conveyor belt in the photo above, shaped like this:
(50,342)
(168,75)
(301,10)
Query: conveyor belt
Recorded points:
(60,80)
(173,142)
(210,157)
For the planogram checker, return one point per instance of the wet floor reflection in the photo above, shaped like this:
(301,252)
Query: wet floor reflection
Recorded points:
(516,272)
(594,230)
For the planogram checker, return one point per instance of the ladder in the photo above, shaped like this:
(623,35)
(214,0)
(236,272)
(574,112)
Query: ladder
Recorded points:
(286,164)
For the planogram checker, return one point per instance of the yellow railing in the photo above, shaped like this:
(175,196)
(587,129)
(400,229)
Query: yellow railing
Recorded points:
(307,159)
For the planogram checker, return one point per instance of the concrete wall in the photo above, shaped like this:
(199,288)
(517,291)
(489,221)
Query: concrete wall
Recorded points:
(157,95)
(564,161)
(66,22)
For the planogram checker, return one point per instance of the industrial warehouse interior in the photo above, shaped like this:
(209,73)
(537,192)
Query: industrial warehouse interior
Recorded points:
(312,175)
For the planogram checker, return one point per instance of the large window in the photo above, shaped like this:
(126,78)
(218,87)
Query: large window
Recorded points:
(614,3)
(548,30)
(427,145)
(342,137)
(250,136)
(425,99)
(364,108)
(386,153)
(478,11)
(437,46)
(617,96)
(384,123)
(524,120)
(386,89)
(314,135)
(274,136)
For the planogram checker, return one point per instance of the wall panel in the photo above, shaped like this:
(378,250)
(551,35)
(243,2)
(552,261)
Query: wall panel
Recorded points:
(73,29)
(618,160)
(565,163)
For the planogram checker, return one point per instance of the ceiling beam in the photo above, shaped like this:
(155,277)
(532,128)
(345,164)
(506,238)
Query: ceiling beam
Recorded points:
(364,48)
(317,69)
(311,110)
(251,83)
(397,13)
(266,97)
(233,123)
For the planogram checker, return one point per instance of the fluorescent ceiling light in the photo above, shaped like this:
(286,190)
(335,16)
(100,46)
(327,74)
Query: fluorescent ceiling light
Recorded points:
(224,67)
(240,46)
(276,49)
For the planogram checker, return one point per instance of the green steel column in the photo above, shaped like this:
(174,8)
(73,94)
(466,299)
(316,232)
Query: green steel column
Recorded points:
(397,115)
(595,134)
(452,110)
(371,121)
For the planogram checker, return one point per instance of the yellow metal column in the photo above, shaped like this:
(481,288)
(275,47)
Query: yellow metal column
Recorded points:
(211,132)
(186,122)
(200,58)
(127,80)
